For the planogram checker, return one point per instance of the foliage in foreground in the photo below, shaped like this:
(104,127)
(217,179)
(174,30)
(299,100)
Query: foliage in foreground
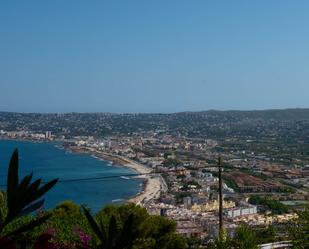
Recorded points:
(69,226)
(130,226)
(127,226)
(299,231)
(21,199)
(244,238)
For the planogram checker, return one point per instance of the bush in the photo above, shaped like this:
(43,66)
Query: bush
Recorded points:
(275,206)
(23,224)
(146,231)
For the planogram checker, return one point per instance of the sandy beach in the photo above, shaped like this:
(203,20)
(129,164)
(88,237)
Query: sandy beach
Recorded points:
(154,184)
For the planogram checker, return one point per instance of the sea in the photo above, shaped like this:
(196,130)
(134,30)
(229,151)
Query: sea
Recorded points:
(48,161)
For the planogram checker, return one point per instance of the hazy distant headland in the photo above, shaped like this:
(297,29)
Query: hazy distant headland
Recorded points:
(210,123)
(282,114)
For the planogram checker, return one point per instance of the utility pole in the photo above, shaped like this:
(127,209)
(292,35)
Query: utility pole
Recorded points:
(220,195)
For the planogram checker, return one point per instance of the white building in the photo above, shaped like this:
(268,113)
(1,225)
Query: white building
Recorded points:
(48,135)
(240,211)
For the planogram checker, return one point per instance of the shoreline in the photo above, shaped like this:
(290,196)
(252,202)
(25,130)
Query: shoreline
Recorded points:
(153,185)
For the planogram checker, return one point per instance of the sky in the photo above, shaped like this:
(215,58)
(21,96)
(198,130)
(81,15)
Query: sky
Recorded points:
(153,56)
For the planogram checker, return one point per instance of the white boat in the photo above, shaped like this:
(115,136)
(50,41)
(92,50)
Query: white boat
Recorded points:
(117,200)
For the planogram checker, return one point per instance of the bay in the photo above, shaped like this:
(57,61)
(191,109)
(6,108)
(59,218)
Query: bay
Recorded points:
(48,162)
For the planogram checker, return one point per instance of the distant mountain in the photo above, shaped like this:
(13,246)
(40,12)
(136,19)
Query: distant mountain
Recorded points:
(277,114)
(210,123)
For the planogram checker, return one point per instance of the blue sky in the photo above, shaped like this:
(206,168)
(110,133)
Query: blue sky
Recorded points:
(153,56)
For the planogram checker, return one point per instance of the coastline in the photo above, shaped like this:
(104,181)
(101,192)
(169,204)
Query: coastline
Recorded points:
(153,185)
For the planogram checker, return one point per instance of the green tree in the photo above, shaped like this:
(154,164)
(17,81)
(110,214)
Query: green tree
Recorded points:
(223,241)
(275,206)
(266,235)
(67,221)
(171,162)
(112,226)
(299,231)
(111,235)
(244,238)
(194,243)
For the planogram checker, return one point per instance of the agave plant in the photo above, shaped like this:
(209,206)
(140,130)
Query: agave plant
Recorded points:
(113,236)
(22,198)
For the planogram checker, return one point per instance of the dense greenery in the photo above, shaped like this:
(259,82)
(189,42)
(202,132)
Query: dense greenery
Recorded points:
(67,226)
(171,162)
(273,205)
(147,231)
(125,226)
(267,235)
(244,238)
(231,183)
(299,231)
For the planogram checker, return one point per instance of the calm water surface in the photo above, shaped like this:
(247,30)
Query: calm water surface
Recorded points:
(48,162)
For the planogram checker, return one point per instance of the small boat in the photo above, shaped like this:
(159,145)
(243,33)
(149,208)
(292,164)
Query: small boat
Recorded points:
(125,177)
(117,200)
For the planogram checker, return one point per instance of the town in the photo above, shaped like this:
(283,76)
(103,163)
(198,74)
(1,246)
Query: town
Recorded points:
(264,180)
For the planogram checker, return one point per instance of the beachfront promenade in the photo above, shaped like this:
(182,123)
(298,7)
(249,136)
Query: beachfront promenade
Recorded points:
(154,185)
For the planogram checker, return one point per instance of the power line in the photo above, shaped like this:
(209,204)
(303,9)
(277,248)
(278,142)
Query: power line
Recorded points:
(103,178)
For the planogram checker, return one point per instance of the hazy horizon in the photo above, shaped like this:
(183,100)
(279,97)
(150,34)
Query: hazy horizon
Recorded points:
(153,57)
(187,111)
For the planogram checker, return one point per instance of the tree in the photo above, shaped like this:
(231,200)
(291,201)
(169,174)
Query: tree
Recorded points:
(130,226)
(275,206)
(194,243)
(111,235)
(299,231)
(159,233)
(69,224)
(223,241)
(266,235)
(244,238)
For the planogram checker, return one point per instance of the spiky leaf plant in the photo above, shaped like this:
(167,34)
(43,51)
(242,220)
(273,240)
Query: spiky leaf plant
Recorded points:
(113,236)
(22,198)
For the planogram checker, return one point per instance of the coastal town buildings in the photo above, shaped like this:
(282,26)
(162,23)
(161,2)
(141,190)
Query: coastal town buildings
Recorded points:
(181,181)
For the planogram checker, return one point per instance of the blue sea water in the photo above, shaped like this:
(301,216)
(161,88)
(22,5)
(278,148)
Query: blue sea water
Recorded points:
(49,162)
